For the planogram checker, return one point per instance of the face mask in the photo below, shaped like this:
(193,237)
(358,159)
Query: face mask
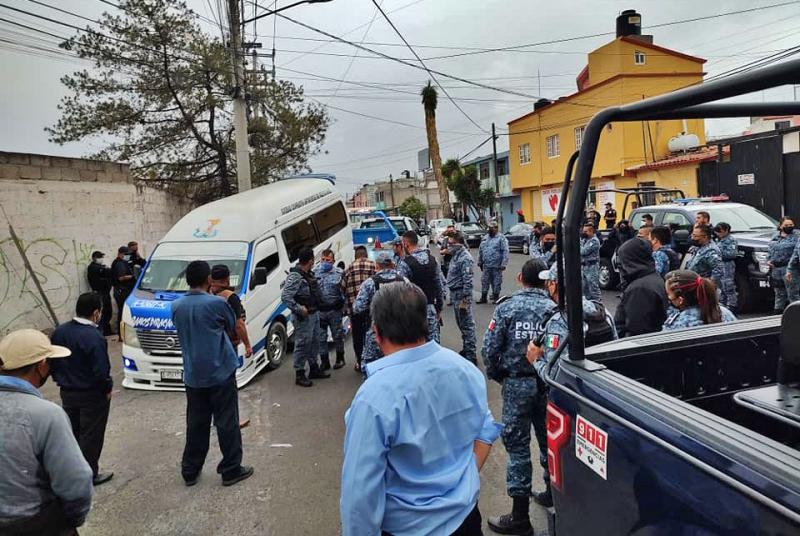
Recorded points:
(126,258)
(547,246)
(584,235)
(623,227)
(696,243)
(492,232)
(326,266)
(788,229)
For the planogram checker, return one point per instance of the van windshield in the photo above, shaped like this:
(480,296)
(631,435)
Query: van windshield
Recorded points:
(166,270)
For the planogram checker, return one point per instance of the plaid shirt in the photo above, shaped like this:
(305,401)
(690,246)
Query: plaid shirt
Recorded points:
(354,276)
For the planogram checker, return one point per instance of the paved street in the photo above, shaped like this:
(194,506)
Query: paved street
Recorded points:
(294,442)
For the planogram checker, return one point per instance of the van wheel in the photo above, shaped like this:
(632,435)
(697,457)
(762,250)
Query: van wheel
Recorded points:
(744,293)
(275,345)
(525,249)
(609,278)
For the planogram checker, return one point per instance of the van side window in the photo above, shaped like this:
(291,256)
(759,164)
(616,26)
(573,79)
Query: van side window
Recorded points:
(330,221)
(299,236)
(270,263)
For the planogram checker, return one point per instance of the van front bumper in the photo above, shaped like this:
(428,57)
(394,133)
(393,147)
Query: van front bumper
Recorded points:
(150,372)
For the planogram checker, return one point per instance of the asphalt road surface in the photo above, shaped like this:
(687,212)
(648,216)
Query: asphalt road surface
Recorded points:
(294,442)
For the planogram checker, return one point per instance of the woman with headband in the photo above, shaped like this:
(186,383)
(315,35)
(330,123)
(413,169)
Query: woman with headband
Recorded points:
(695,300)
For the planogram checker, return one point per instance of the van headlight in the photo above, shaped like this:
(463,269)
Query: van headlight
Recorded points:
(762,259)
(129,336)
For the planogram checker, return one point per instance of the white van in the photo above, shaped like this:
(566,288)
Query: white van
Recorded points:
(258,235)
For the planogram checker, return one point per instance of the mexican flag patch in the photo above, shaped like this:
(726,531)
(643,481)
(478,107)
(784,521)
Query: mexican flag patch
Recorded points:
(492,325)
(551,341)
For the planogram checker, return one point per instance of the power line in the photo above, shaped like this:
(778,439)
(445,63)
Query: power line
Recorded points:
(589,36)
(400,35)
(355,53)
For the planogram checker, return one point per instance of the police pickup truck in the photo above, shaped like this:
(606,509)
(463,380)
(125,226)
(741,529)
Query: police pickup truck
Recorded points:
(694,431)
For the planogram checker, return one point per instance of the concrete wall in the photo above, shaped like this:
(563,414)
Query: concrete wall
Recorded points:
(62,209)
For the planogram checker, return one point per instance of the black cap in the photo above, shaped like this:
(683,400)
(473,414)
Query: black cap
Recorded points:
(220,271)
(123,249)
(608,204)
(98,255)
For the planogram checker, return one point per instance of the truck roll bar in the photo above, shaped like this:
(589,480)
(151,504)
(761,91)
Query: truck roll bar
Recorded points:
(687,103)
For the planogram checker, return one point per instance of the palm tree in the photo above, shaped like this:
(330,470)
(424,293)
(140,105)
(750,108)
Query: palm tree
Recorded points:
(429,100)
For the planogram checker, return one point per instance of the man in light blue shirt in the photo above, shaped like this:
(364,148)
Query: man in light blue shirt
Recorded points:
(417,432)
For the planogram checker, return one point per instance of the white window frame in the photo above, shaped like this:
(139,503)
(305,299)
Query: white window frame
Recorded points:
(524,154)
(552,145)
(639,57)
(579,131)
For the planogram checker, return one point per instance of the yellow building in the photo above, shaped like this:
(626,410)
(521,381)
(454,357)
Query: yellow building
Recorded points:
(628,69)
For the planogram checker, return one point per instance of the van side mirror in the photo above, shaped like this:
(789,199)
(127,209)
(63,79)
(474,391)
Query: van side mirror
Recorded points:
(259,277)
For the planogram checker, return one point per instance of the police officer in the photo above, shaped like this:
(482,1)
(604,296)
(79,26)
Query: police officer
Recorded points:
(99,276)
(707,260)
(792,277)
(492,260)
(301,295)
(420,267)
(459,281)
(728,249)
(545,248)
(694,301)
(590,262)
(387,273)
(332,301)
(665,258)
(781,248)
(516,321)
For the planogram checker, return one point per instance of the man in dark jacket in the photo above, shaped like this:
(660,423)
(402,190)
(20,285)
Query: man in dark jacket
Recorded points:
(644,301)
(99,276)
(123,280)
(85,379)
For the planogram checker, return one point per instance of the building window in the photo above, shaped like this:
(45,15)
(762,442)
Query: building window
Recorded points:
(379,197)
(579,137)
(552,146)
(782,124)
(525,153)
(639,57)
(484,171)
(502,168)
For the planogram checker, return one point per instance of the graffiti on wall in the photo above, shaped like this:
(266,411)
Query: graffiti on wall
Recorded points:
(60,266)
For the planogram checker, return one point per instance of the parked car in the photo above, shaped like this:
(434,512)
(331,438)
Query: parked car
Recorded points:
(473,232)
(752,229)
(519,236)
(692,431)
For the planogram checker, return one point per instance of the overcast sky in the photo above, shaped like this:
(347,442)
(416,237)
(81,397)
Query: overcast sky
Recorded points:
(360,149)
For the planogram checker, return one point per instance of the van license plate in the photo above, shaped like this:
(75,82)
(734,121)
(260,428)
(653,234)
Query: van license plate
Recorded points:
(763,284)
(167,375)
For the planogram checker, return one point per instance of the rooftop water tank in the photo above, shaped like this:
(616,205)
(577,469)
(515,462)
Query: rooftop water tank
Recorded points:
(629,22)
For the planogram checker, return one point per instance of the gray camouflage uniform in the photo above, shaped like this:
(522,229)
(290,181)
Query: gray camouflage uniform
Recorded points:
(363,301)
(515,323)
(707,262)
(590,265)
(492,256)
(781,249)
(793,282)
(306,329)
(691,317)
(332,302)
(728,250)
(459,281)
(422,256)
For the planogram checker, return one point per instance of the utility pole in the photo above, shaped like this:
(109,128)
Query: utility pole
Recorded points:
(498,212)
(239,103)
(391,188)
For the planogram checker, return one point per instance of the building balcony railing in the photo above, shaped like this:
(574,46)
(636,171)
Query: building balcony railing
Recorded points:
(504,183)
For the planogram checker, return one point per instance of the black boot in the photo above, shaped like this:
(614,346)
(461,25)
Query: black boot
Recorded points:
(324,362)
(544,498)
(317,373)
(483,299)
(339,361)
(517,522)
(301,380)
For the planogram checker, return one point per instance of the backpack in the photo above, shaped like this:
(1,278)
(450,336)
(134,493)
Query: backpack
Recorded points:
(599,327)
